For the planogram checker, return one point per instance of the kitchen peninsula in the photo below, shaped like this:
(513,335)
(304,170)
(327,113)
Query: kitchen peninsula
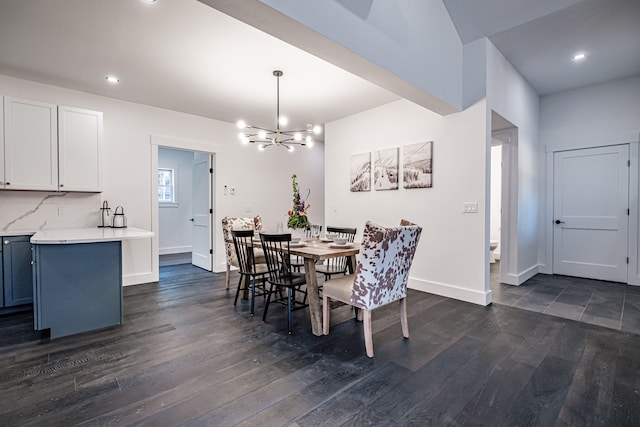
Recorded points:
(78,278)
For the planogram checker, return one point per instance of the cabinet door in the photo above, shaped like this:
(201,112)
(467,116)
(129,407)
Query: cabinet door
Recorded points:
(18,276)
(79,149)
(30,145)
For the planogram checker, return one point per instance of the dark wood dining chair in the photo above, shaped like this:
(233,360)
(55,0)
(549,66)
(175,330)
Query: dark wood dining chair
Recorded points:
(380,278)
(249,266)
(335,266)
(281,276)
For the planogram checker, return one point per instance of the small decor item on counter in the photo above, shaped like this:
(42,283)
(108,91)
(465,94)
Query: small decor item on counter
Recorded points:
(298,215)
(119,220)
(104,215)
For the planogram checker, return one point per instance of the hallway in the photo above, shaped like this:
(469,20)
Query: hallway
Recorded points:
(608,304)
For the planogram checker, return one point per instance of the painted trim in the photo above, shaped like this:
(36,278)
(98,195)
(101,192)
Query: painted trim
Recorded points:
(451,291)
(633,269)
(174,250)
(520,278)
(138,278)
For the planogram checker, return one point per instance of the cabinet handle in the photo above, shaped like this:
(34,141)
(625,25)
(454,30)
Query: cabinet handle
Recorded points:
(7,183)
(6,242)
(61,185)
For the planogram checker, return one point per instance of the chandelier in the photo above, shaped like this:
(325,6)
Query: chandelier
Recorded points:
(278,137)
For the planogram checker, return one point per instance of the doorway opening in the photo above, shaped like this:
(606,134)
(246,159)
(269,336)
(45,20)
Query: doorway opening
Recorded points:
(183,185)
(502,234)
(183,214)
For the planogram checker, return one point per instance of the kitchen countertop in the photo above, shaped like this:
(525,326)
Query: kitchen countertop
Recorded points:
(64,236)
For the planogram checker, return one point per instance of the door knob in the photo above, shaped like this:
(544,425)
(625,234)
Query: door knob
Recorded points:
(559,222)
(191,219)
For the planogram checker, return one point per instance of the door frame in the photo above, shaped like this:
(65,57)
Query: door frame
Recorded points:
(633,273)
(180,144)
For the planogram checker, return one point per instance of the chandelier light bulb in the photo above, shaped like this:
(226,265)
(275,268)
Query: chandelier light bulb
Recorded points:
(278,136)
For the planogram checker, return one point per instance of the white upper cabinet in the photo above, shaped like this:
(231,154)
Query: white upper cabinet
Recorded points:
(79,149)
(30,145)
(1,145)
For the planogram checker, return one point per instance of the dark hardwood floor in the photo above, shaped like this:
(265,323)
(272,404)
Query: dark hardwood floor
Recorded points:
(186,356)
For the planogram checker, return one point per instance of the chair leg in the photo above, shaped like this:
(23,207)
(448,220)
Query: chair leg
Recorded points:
(326,309)
(227,279)
(253,293)
(368,335)
(403,317)
(358,314)
(289,315)
(235,301)
(266,304)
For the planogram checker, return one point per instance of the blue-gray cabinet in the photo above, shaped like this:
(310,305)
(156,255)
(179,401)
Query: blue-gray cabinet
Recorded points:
(17,283)
(77,287)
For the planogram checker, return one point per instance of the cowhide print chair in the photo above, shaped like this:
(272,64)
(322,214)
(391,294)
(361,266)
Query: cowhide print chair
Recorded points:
(235,223)
(380,278)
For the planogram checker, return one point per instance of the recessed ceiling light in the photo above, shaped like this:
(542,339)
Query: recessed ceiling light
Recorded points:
(579,56)
(112,79)
(149,1)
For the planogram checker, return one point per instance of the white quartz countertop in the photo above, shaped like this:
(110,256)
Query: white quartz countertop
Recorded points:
(65,236)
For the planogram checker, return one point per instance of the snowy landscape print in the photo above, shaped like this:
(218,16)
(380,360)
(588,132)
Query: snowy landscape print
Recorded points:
(360,172)
(386,169)
(417,165)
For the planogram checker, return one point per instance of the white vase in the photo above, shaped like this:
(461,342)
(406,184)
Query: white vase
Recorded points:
(297,232)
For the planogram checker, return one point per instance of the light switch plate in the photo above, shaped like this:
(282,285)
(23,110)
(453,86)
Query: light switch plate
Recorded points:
(470,207)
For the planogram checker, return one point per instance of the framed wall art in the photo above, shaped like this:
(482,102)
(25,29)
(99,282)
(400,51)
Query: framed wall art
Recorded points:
(417,165)
(360,174)
(386,165)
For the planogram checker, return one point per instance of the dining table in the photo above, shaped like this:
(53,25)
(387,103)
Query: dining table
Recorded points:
(313,251)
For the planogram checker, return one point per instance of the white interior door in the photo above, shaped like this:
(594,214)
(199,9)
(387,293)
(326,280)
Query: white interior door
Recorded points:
(591,219)
(201,252)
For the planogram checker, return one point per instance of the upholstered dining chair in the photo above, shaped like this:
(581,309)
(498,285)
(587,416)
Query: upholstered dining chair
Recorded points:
(248,266)
(380,278)
(338,265)
(237,223)
(281,276)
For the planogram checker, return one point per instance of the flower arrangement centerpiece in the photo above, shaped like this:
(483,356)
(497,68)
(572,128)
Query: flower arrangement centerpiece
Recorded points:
(298,216)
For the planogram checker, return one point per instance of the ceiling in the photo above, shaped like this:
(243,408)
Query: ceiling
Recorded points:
(540,37)
(186,56)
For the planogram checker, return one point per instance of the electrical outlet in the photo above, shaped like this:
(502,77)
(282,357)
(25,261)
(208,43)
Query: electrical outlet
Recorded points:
(233,191)
(60,210)
(470,207)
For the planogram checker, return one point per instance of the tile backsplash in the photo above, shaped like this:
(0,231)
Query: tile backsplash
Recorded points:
(36,210)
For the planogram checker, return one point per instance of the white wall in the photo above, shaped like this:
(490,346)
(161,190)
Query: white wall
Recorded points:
(262,180)
(450,260)
(174,223)
(602,114)
(509,95)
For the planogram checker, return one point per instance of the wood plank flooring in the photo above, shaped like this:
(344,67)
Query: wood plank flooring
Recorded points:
(186,356)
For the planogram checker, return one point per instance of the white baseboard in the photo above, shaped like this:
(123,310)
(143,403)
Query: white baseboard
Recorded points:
(451,291)
(139,278)
(520,278)
(174,250)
